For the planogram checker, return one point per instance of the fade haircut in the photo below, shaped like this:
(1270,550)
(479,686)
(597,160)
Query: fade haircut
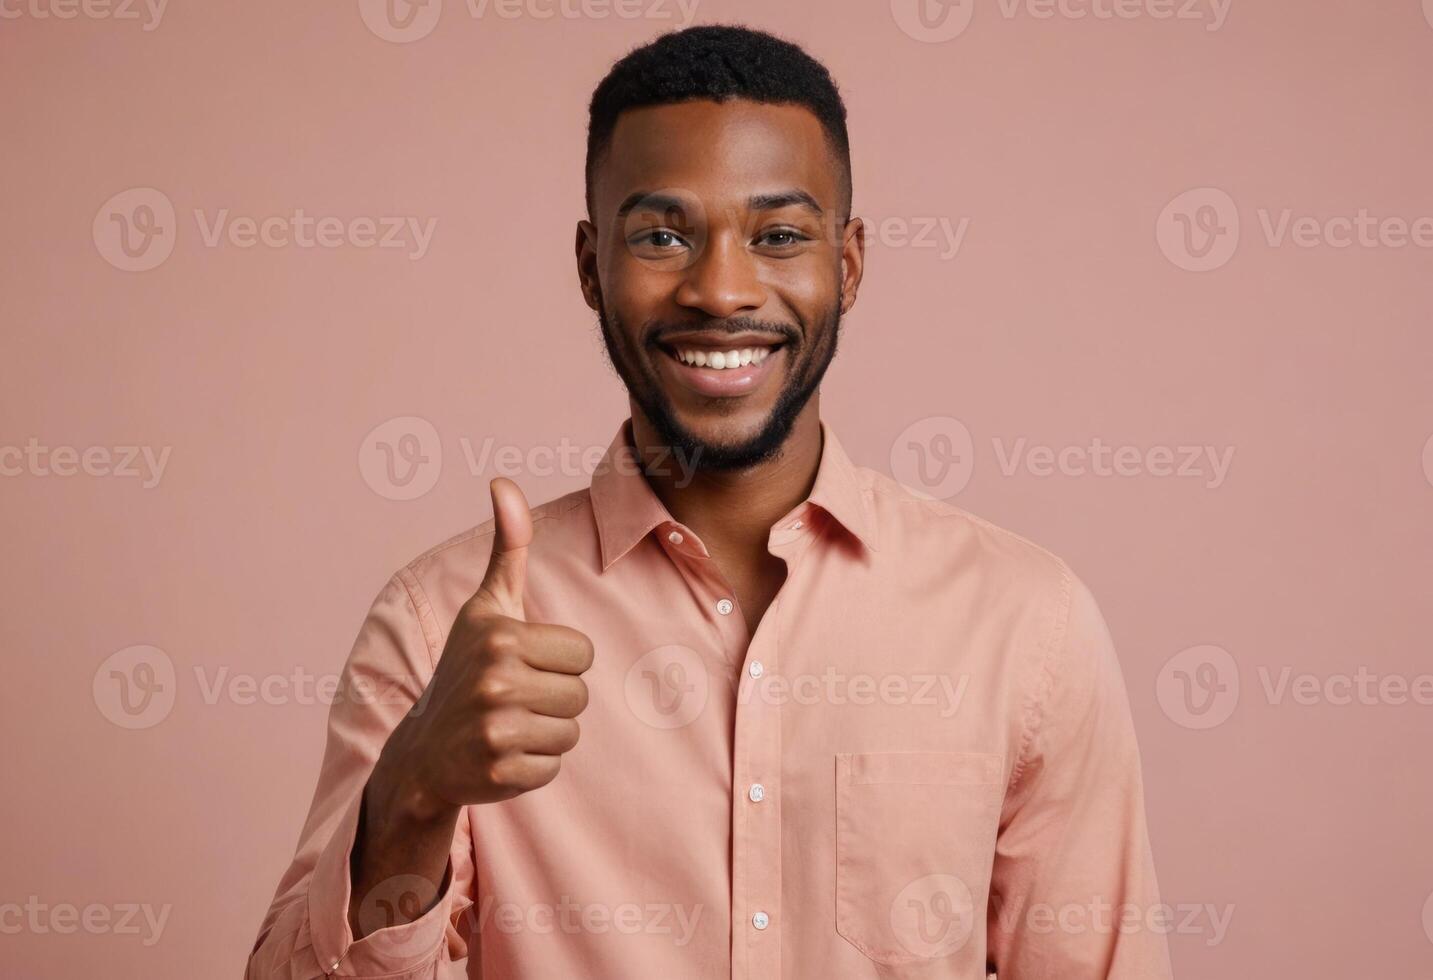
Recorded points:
(719,62)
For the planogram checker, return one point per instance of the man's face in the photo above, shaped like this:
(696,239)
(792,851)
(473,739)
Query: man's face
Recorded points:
(719,263)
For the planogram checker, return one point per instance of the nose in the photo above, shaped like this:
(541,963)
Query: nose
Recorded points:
(722,281)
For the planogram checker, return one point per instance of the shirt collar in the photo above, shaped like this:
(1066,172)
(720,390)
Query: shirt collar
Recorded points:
(627,510)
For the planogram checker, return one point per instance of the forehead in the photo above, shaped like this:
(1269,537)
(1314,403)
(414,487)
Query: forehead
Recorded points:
(720,151)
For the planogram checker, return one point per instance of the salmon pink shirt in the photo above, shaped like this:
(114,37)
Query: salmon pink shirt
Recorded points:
(920,765)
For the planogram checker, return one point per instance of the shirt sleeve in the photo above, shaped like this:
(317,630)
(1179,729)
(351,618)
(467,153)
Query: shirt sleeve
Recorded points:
(306,934)
(1073,893)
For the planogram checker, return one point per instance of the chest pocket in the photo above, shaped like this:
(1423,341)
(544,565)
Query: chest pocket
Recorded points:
(915,840)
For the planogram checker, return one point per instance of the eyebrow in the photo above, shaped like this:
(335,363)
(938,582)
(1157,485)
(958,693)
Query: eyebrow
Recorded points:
(652,201)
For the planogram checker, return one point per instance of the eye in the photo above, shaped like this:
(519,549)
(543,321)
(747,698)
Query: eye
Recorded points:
(783,239)
(659,238)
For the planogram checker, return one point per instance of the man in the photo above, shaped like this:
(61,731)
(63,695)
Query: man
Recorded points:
(828,728)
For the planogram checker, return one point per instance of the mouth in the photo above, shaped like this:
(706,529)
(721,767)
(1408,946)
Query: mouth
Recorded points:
(718,365)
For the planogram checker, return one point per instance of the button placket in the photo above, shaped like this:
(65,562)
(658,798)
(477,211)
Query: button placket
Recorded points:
(756,817)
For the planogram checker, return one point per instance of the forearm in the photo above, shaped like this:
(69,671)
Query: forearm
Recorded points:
(400,855)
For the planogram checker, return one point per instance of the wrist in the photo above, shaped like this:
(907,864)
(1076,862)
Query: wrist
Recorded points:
(398,797)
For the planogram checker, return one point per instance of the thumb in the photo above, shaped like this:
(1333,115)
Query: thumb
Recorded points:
(501,591)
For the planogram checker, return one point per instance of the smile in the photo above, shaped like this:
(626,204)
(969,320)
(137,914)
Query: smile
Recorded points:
(720,367)
(722,360)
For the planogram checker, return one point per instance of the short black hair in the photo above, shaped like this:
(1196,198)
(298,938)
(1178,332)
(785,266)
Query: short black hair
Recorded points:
(718,62)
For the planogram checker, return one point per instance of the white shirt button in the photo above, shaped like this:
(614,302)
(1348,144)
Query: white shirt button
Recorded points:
(756,669)
(798,525)
(757,792)
(724,606)
(675,537)
(761,920)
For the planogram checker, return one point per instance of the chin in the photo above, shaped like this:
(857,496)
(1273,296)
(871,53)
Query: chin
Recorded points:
(724,434)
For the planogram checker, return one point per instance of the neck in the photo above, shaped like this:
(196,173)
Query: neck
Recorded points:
(734,510)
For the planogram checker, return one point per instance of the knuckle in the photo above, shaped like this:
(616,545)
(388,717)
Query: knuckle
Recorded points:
(497,773)
(501,640)
(495,687)
(496,733)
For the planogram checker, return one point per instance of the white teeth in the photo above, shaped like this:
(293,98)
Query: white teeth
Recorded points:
(724,360)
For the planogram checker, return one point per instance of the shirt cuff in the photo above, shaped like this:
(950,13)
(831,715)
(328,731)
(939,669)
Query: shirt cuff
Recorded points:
(398,949)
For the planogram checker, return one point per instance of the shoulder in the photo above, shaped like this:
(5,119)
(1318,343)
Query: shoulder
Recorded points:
(914,528)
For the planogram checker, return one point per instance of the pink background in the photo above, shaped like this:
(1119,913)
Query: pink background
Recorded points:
(1067,315)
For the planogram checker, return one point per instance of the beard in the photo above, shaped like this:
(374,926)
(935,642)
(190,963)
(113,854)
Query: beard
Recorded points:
(809,356)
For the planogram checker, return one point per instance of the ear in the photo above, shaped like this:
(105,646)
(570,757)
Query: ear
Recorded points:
(585,248)
(853,261)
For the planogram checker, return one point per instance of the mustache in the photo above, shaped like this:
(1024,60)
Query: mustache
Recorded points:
(659,331)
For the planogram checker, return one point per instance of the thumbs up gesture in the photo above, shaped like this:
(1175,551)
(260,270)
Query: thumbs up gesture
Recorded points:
(502,705)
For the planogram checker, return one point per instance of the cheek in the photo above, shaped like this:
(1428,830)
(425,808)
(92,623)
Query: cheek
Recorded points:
(809,287)
(635,292)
